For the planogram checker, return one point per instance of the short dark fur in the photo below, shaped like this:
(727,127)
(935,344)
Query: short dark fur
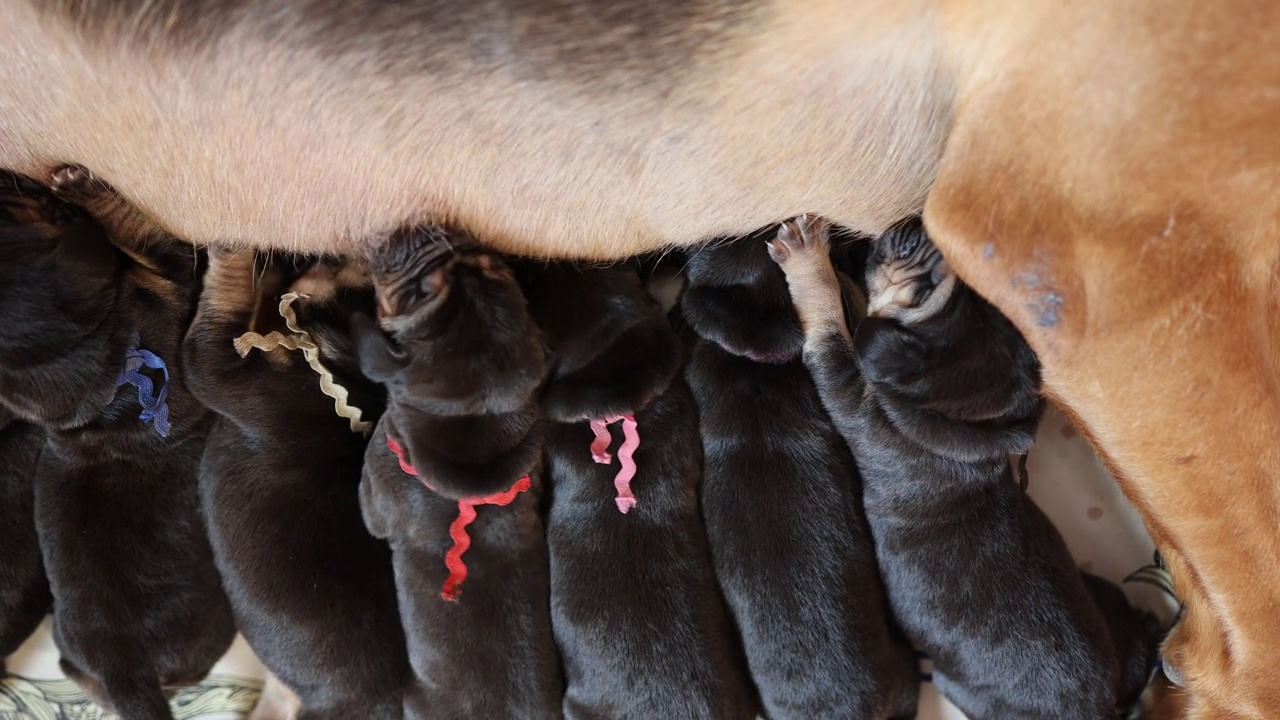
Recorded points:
(139,603)
(977,575)
(782,503)
(24,589)
(636,611)
(463,370)
(313,591)
(61,280)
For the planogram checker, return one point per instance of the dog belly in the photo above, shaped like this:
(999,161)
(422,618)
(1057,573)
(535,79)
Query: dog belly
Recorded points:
(254,142)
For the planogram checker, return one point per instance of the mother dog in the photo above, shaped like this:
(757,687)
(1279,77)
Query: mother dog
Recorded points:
(1108,174)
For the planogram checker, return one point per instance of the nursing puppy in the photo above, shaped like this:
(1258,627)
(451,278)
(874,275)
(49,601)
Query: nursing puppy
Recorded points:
(463,362)
(139,603)
(782,503)
(635,608)
(976,574)
(24,589)
(313,591)
(658,125)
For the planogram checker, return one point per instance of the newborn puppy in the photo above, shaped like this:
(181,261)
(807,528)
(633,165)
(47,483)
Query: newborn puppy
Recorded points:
(635,608)
(976,574)
(452,478)
(93,321)
(461,358)
(60,285)
(782,503)
(313,591)
(24,589)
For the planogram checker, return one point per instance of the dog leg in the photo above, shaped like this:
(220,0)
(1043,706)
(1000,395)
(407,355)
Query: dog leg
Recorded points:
(803,250)
(1169,355)
(122,219)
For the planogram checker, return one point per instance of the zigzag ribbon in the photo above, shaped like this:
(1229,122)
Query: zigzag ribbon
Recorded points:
(301,340)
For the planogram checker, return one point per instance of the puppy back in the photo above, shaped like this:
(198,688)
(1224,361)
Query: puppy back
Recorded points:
(614,349)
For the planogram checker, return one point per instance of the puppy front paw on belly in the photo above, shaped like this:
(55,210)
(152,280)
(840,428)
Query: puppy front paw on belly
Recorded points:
(888,353)
(802,249)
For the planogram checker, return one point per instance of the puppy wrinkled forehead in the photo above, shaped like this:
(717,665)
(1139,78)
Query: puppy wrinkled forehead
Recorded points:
(902,241)
(418,249)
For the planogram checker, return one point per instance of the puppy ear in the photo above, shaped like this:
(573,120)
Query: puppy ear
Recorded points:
(86,261)
(84,250)
(380,360)
(888,353)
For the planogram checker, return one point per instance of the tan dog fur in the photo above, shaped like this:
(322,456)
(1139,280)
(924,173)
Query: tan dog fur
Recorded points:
(1107,173)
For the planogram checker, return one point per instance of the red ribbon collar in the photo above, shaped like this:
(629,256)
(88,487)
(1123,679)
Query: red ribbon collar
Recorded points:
(458,528)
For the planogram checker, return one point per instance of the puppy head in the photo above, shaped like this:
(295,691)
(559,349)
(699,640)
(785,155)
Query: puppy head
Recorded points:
(58,274)
(908,280)
(737,297)
(454,330)
(334,289)
(468,456)
(412,272)
(615,350)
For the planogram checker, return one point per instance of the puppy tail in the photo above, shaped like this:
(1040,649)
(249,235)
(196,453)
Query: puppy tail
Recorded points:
(138,696)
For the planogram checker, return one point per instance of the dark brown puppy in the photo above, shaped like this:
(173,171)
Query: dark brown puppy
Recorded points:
(783,505)
(636,611)
(461,357)
(977,575)
(24,589)
(313,591)
(463,361)
(139,603)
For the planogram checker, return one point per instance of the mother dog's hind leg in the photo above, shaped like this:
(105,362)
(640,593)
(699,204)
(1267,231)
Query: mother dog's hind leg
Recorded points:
(1139,253)
(1168,354)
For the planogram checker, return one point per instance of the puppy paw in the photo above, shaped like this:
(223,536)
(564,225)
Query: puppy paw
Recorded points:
(76,182)
(889,355)
(800,237)
(802,249)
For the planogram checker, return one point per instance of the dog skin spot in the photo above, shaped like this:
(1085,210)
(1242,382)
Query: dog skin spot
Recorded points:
(1046,309)
(1185,459)
(1093,513)
(1027,280)
(1067,432)
(988,251)
(1045,304)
